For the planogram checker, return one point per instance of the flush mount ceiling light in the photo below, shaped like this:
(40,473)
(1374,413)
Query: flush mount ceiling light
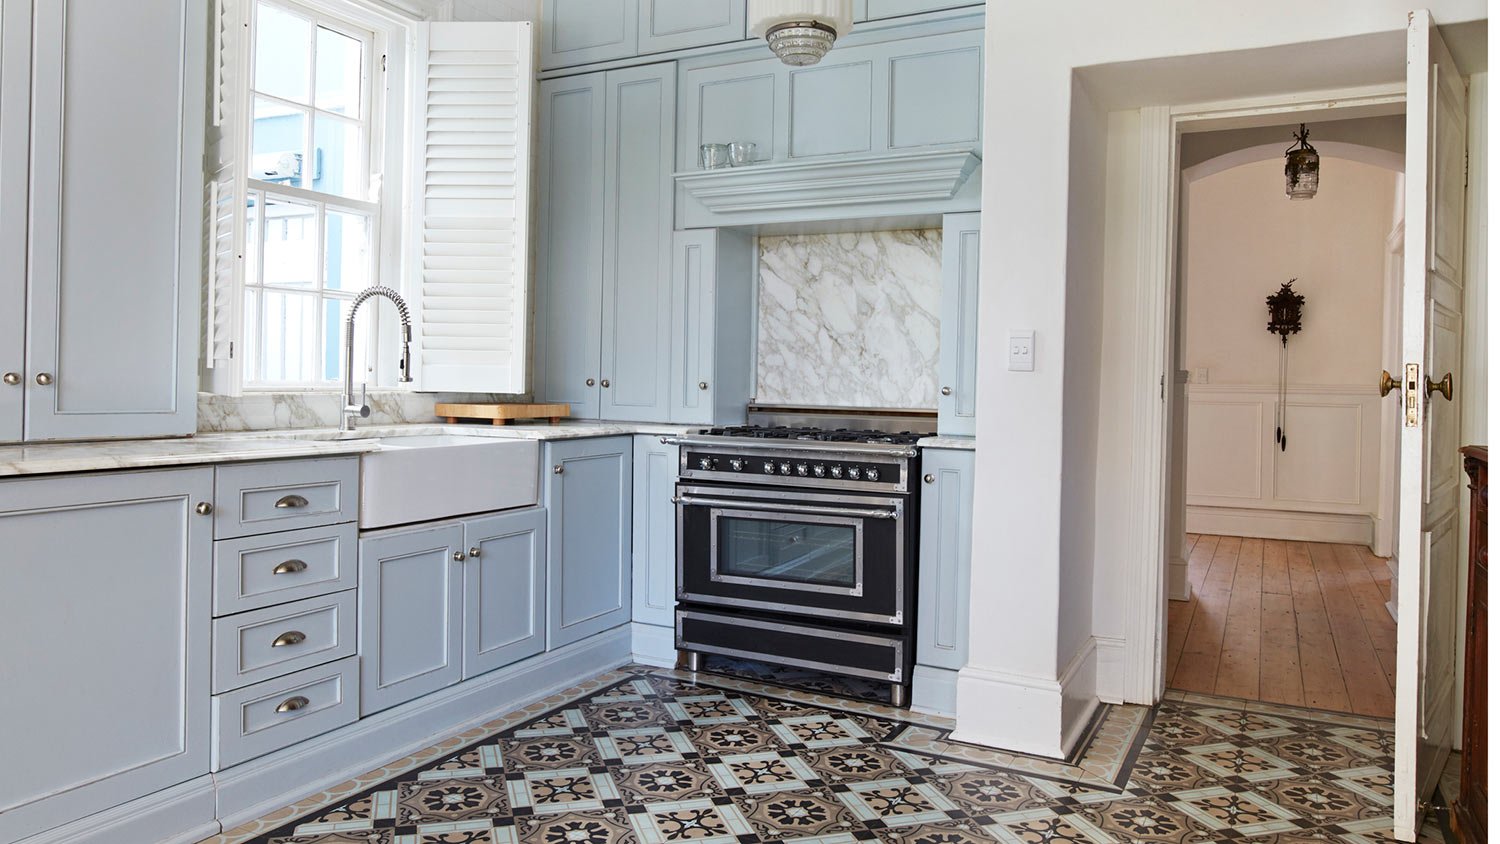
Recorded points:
(800,32)
(1301,167)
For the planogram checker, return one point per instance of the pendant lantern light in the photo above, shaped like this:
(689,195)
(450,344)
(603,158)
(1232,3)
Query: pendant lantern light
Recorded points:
(1301,167)
(800,32)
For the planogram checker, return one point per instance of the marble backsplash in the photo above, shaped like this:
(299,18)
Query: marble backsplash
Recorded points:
(850,320)
(277,411)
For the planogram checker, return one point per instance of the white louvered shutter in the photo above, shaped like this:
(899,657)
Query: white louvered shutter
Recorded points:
(469,247)
(223,282)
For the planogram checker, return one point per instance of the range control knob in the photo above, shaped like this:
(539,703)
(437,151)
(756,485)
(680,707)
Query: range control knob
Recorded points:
(736,464)
(786,468)
(852,472)
(802,469)
(706,463)
(819,471)
(768,467)
(837,471)
(872,474)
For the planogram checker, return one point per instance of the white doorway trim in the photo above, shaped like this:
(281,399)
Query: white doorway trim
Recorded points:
(1161,127)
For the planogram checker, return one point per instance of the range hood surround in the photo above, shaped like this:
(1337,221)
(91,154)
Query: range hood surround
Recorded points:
(843,188)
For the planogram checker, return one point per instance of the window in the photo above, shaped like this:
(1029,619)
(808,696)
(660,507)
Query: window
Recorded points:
(311,211)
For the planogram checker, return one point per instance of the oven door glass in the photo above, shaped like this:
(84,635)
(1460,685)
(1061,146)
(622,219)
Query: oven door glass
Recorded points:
(818,553)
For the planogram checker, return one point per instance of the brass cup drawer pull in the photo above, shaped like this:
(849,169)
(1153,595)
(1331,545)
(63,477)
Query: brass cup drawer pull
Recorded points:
(290,567)
(292,704)
(290,502)
(291,637)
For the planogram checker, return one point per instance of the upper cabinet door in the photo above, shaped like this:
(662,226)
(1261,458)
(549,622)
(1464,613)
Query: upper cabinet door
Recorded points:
(680,24)
(570,241)
(583,31)
(639,138)
(115,218)
(958,357)
(15,75)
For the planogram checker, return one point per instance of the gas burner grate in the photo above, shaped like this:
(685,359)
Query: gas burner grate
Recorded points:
(839,435)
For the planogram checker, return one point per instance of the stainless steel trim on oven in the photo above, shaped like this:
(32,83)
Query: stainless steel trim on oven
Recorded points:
(799,510)
(768,497)
(793,450)
(897,646)
(715,513)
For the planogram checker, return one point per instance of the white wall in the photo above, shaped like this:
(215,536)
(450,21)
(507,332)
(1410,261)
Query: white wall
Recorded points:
(1010,694)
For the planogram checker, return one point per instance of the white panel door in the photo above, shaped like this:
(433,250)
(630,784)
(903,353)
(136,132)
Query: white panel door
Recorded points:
(15,77)
(116,223)
(1428,524)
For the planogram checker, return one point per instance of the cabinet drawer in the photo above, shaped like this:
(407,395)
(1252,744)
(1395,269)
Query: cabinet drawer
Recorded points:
(259,571)
(267,497)
(278,713)
(262,644)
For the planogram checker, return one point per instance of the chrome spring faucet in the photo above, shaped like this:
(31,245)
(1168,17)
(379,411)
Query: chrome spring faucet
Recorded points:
(362,410)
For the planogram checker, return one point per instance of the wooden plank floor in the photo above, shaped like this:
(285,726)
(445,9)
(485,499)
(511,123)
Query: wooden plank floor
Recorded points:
(1301,623)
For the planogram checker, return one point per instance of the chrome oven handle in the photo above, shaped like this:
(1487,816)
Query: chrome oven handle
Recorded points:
(670,441)
(810,509)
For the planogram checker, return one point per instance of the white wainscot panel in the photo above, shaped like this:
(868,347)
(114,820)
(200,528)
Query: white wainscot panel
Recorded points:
(1322,463)
(1224,442)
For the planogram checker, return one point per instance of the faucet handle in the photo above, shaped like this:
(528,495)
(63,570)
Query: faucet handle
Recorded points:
(364,406)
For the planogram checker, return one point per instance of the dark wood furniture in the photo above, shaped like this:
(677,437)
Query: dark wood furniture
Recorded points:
(1470,812)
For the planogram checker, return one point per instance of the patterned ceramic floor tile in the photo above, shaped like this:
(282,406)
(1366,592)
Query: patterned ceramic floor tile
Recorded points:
(649,756)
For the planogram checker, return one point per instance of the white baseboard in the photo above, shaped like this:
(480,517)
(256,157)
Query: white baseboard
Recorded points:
(1110,653)
(1179,588)
(260,786)
(1348,528)
(1042,716)
(181,814)
(652,644)
(934,691)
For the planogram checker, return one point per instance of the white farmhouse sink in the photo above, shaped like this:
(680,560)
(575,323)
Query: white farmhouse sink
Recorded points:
(420,478)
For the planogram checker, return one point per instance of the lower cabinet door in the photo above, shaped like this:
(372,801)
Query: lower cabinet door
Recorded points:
(104,612)
(410,614)
(588,488)
(504,600)
(943,558)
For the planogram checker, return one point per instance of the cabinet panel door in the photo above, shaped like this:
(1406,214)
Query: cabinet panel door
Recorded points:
(504,602)
(935,92)
(654,539)
(878,9)
(680,24)
(738,102)
(15,98)
(583,31)
(943,559)
(694,258)
(107,578)
(832,107)
(570,241)
(115,220)
(410,623)
(588,537)
(639,138)
(958,357)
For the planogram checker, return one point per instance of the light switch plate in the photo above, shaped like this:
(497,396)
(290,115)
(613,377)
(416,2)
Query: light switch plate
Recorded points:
(1022,351)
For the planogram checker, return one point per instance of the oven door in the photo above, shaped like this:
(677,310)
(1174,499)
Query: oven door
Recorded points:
(816,554)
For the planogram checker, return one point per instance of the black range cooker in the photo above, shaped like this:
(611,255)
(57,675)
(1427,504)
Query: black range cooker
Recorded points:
(797,545)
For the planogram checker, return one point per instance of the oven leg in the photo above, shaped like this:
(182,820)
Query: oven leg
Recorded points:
(690,660)
(898,695)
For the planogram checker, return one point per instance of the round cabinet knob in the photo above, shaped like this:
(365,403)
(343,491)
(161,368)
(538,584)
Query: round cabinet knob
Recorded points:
(557,470)
(703,385)
(930,478)
(589,383)
(458,556)
(12,378)
(947,391)
(204,508)
(474,552)
(604,383)
(43,378)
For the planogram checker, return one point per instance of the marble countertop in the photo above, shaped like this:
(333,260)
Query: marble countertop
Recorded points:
(947,442)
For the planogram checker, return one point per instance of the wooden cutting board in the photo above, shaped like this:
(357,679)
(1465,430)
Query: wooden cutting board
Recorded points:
(501,414)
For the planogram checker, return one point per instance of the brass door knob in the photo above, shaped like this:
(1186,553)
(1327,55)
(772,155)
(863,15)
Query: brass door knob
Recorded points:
(1445,386)
(12,378)
(290,567)
(204,508)
(44,378)
(1387,383)
(474,552)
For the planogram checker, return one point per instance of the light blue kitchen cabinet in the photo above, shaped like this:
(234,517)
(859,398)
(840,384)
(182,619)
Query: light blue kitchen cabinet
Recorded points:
(111,309)
(712,331)
(105,604)
(570,241)
(681,24)
(640,116)
(904,93)
(504,589)
(654,535)
(587,490)
(410,613)
(582,31)
(880,9)
(958,355)
(604,244)
(943,557)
